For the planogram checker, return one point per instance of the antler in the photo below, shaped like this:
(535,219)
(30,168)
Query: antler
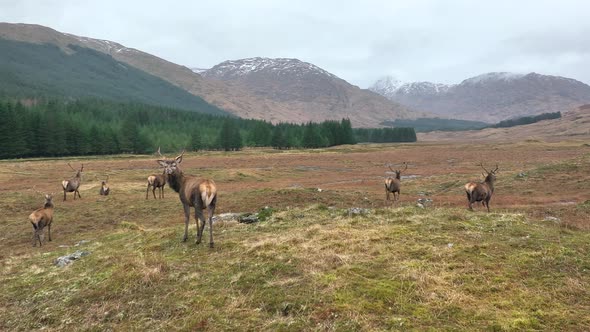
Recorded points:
(496,169)
(71,167)
(405,163)
(158,152)
(107,180)
(82,168)
(481,164)
(391,168)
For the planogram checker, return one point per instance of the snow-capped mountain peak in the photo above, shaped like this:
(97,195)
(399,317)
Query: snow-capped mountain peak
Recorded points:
(390,86)
(232,69)
(493,76)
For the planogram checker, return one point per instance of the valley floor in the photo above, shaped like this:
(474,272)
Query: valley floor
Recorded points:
(311,265)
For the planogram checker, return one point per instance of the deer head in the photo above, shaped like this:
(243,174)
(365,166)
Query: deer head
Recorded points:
(398,172)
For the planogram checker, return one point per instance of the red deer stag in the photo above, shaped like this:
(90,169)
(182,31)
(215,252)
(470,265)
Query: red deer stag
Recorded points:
(198,193)
(73,184)
(393,185)
(104,187)
(40,218)
(482,192)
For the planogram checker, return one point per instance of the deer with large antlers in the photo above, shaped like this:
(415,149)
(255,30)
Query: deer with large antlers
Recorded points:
(41,218)
(193,192)
(73,184)
(393,185)
(482,191)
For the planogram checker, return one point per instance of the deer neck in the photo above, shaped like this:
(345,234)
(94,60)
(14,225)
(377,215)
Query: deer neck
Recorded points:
(176,180)
(490,184)
(48,205)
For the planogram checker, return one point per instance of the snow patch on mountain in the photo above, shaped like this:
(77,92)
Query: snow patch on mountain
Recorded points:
(243,67)
(494,76)
(390,86)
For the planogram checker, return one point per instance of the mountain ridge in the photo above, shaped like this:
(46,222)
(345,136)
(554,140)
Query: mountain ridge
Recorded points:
(489,97)
(364,108)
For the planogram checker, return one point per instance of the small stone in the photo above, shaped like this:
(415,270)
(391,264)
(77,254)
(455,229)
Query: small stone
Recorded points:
(554,219)
(248,218)
(68,259)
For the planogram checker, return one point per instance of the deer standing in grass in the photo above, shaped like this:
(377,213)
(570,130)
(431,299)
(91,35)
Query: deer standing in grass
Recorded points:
(393,185)
(104,188)
(41,218)
(482,192)
(156,181)
(73,184)
(193,192)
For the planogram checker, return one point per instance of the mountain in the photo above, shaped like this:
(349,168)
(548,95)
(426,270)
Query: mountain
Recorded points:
(490,97)
(574,124)
(301,91)
(46,70)
(363,107)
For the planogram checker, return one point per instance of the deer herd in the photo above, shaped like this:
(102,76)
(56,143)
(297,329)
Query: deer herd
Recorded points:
(201,194)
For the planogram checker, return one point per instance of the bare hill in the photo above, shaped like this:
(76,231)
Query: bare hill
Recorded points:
(574,124)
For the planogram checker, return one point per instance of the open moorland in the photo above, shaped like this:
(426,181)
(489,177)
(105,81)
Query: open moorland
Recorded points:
(310,265)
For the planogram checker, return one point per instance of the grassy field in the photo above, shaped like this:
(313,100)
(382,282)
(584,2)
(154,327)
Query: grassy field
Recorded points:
(311,265)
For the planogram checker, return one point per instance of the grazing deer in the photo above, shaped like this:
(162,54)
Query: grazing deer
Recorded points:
(393,185)
(482,192)
(40,218)
(104,188)
(198,193)
(73,184)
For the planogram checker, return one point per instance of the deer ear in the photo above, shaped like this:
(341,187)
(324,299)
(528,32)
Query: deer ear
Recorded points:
(162,163)
(178,159)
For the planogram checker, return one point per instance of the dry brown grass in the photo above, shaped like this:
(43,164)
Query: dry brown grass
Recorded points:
(310,266)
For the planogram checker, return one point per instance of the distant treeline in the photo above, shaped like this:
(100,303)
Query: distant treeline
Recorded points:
(52,128)
(423,125)
(526,120)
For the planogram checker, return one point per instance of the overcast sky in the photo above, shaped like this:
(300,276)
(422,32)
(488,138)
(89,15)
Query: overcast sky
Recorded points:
(359,41)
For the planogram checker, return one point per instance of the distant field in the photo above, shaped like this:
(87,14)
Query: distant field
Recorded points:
(310,266)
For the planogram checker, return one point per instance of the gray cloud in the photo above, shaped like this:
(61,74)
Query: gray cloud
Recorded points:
(441,41)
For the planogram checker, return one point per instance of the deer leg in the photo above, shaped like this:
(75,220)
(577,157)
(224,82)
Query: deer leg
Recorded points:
(154,191)
(488,204)
(162,191)
(49,231)
(187,214)
(211,212)
(147,191)
(199,217)
(34,236)
(64,195)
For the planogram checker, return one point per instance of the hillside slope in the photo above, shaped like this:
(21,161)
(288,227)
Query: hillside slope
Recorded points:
(46,70)
(364,108)
(490,97)
(574,124)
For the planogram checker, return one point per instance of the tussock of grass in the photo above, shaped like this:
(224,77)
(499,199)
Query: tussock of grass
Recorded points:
(314,269)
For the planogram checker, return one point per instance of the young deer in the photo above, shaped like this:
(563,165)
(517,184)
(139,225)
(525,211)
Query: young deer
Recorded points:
(104,188)
(40,218)
(156,181)
(193,192)
(73,184)
(481,192)
(393,185)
